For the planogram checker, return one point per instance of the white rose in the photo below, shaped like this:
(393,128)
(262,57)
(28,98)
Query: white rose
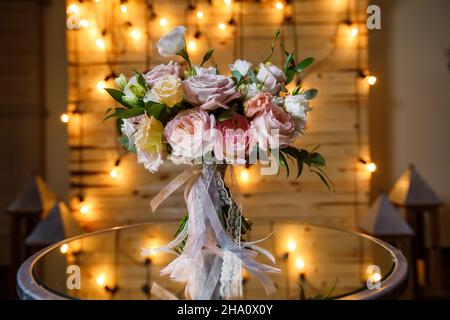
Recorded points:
(209,70)
(272,77)
(298,106)
(172,43)
(168,90)
(241,66)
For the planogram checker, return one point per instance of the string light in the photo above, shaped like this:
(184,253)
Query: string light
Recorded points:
(222,26)
(244,176)
(123,8)
(300,264)
(292,246)
(135,34)
(354,32)
(73,8)
(371,167)
(371,80)
(200,14)
(192,45)
(101,85)
(100,43)
(64,248)
(375,277)
(279,5)
(163,22)
(84,23)
(228,2)
(65,118)
(101,280)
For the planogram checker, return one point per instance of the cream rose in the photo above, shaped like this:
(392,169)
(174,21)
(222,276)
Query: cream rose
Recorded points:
(150,149)
(167,90)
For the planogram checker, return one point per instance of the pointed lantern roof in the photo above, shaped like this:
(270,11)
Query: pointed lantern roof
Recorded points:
(383,219)
(34,197)
(412,190)
(56,226)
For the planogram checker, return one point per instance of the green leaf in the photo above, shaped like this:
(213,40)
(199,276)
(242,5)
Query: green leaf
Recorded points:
(182,224)
(288,62)
(252,76)
(310,94)
(207,56)
(304,64)
(115,94)
(275,37)
(237,75)
(154,109)
(296,90)
(283,162)
(290,74)
(125,142)
(317,159)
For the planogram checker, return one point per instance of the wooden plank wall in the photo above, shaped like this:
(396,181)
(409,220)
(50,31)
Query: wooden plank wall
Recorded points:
(338,122)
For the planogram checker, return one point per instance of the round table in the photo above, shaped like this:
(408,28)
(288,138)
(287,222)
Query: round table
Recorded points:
(316,262)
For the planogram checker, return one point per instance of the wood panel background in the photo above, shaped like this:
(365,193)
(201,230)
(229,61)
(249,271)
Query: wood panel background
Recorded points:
(338,122)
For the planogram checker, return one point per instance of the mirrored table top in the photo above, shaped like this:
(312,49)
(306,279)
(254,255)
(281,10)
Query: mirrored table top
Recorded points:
(316,262)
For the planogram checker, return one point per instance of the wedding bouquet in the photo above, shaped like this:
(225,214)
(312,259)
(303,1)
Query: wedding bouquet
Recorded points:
(192,114)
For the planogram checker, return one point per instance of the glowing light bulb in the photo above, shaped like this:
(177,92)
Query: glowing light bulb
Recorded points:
(228,2)
(376,277)
(300,264)
(371,167)
(279,5)
(191,45)
(65,117)
(84,23)
(371,80)
(73,8)
(135,34)
(123,8)
(100,43)
(244,176)
(101,280)
(200,14)
(222,26)
(114,173)
(163,22)
(101,85)
(64,248)
(292,246)
(84,208)
(354,32)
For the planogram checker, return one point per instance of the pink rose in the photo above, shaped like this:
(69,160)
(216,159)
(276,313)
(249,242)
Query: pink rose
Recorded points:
(210,91)
(272,77)
(189,135)
(232,139)
(272,129)
(172,68)
(258,104)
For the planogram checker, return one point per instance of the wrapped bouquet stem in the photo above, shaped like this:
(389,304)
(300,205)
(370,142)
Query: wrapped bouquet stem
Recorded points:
(189,113)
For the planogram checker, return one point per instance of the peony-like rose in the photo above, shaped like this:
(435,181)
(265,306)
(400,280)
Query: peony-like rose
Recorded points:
(241,66)
(201,70)
(272,77)
(172,43)
(210,91)
(172,68)
(150,149)
(272,129)
(297,106)
(232,139)
(257,105)
(168,90)
(189,135)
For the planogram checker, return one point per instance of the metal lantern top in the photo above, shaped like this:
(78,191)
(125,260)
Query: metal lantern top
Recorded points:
(383,219)
(34,197)
(411,190)
(56,226)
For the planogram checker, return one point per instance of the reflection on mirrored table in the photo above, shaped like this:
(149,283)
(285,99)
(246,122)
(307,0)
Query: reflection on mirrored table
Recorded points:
(316,263)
